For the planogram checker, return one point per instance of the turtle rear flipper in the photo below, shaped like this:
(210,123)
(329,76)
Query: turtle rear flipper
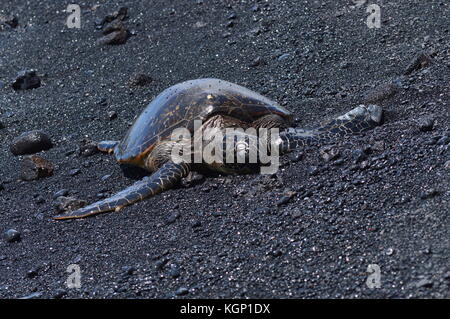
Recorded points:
(355,121)
(164,178)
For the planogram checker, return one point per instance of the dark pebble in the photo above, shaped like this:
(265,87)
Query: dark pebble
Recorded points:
(114,38)
(172,218)
(196,224)
(88,148)
(159,265)
(64,203)
(128,270)
(283,57)
(358,155)
(429,193)
(12,235)
(8,20)
(313,170)
(112,115)
(182,291)
(35,167)
(424,283)
(26,80)
(74,171)
(61,192)
(444,140)
(30,142)
(421,61)
(232,16)
(329,153)
(256,62)
(32,296)
(283,200)
(59,293)
(32,273)
(174,271)
(254,8)
(426,124)
(140,79)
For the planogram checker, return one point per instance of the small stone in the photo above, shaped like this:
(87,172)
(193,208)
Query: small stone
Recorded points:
(32,273)
(159,265)
(115,25)
(12,235)
(285,198)
(61,192)
(196,223)
(8,20)
(114,38)
(120,15)
(358,155)
(35,167)
(74,171)
(63,204)
(182,291)
(256,62)
(199,24)
(380,93)
(419,62)
(230,24)
(174,271)
(128,270)
(447,165)
(389,251)
(444,140)
(30,142)
(426,124)
(112,115)
(172,218)
(140,79)
(254,8)
(426,283)
(59,293)
(283,57)
(429,193)
(105,177)
(329,153)
(32,296)
(232,16)
(103,101)
(26,80)
(313,170)
(88,148)
(295,157)
(277,253)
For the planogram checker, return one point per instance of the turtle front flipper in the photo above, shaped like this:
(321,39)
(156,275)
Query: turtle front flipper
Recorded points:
(107,146)
(355,121)
(164,178)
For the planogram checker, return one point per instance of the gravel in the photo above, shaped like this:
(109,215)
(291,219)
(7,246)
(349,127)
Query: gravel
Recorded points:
(317,244)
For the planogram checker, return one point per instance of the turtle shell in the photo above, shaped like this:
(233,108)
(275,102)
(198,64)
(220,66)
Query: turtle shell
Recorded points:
(181,104)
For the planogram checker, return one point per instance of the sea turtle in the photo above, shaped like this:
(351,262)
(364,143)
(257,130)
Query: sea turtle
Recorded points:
(218,104)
